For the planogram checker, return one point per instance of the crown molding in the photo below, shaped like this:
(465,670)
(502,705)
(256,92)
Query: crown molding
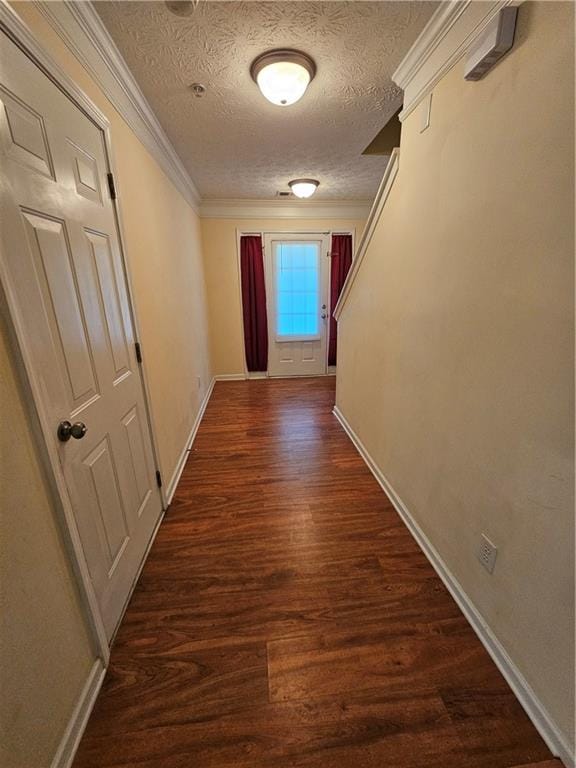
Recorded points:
(82,30)
(19,32)
(285,209)
(452,29)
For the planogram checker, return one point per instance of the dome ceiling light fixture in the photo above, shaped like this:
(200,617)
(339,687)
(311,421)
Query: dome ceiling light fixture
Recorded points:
(304,187)
(283,75)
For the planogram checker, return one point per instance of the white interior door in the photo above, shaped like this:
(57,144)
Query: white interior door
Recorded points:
(67,288)
(297,274)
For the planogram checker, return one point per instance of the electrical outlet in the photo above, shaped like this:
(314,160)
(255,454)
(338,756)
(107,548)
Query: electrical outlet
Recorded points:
(487,552)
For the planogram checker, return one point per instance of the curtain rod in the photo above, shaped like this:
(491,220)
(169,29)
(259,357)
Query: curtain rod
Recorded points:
(285,232)
(294,232)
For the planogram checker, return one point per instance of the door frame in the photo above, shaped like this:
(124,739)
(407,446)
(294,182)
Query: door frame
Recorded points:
(284,232)
(323,239)
(42,429)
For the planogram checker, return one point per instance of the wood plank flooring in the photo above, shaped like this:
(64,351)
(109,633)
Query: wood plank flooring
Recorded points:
(285,616)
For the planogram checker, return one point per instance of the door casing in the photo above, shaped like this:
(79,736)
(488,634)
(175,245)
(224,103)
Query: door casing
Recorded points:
(283,233)
(324,263)
(20,34)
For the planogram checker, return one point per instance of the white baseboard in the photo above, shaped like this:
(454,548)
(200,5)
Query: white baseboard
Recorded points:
(137,577)
(257,375)
(79,718)
(331,371)
(184,455)
(544,723)
(230,377)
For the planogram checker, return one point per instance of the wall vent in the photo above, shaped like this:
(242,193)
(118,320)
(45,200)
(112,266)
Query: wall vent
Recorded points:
(496,40)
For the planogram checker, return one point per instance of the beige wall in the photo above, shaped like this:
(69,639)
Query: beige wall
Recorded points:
(164,253)
(45,649)
(222,278)
(456,344)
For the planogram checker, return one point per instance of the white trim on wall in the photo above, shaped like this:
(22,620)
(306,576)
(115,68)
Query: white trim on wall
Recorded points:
(172,485)
(444,40)
(21,34)
(79,718)
(81,29)
(373,219)
(284,209)
(236,376)
(543,721)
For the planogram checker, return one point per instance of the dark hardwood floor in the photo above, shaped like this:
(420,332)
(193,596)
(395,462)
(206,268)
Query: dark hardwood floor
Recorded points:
(285,616)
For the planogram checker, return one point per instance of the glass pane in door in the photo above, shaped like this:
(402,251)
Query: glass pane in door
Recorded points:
(297,287)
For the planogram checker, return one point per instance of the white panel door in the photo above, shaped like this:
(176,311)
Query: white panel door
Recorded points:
(61,252)
(297,274)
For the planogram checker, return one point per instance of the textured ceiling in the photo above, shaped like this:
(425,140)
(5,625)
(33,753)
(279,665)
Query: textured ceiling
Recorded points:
(233,142)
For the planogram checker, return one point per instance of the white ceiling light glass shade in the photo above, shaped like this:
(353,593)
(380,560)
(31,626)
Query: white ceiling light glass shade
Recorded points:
(304,187)
(283,75)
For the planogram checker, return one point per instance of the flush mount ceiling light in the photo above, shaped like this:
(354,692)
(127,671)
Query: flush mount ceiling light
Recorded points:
(304,187)
(283,75)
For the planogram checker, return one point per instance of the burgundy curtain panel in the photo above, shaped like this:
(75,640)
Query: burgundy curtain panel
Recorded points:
(341,261)
(254,303)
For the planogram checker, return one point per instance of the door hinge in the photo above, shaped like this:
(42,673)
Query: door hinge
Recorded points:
(158,479)
(138,351)
(111,186)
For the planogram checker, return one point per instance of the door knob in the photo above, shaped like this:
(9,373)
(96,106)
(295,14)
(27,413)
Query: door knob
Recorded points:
(323,315)
(67,430)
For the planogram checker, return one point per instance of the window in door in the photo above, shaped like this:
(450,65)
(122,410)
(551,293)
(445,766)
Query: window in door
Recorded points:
(297,291)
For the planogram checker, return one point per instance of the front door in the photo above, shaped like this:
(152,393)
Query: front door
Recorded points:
(61,253)
(297,271)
